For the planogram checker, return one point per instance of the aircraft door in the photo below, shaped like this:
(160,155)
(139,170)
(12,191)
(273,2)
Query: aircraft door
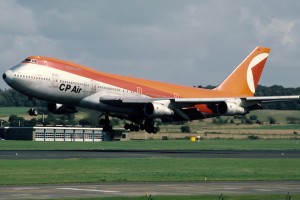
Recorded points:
(55,80)
(139,90)
(93,86)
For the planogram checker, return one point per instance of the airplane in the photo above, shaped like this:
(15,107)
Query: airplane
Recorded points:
(66,85)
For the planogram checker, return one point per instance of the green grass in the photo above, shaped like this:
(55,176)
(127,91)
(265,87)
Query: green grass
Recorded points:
(7,111)
(278,115)
(146,170)
(155,145)
(275,127)
(22,172)
(257,127)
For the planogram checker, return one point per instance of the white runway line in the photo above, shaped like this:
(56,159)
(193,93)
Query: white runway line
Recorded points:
(263,190)
(25,188)
(89,190)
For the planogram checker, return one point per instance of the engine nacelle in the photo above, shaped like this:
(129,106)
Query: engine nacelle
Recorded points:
(230,108)
(158,109)
(61,109)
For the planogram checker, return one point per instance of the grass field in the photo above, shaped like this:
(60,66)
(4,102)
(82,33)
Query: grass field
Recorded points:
(155,145)
(7,111)
(106,170)
(146,170)
(159,169)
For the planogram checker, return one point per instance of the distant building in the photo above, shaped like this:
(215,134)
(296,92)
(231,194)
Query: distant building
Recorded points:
(66,134)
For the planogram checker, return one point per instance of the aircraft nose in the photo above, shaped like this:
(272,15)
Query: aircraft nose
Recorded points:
(8,76)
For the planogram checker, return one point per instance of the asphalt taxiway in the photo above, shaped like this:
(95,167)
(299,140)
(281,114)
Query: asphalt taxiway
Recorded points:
(65,154)
(142,189)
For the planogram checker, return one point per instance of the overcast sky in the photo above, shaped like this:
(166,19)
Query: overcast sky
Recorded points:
(178,41)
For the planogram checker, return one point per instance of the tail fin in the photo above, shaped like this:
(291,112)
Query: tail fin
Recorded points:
(244,79)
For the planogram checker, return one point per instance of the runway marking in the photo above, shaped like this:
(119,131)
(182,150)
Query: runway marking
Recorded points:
(263,190)
(89,190)
(165,185)
(231,188)
(176,185)
(26,188)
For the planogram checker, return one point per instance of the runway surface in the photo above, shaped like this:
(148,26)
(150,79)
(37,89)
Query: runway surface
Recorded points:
(65,154)
(141,189)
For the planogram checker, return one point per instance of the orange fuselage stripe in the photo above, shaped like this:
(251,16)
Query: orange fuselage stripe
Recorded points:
(150,88)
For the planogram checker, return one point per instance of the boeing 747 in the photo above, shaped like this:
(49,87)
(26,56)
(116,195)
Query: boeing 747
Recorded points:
(66,85)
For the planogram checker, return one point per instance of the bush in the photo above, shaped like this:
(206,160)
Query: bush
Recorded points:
(253,137)
(185,129)
(253,117)
(14,120)
(272,120)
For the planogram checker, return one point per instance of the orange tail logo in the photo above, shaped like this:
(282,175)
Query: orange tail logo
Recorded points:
(244,79)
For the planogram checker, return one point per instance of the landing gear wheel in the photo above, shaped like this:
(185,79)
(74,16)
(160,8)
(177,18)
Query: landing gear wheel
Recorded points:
(33,112)
(132,127)
(154,130)
(127,126)
(105,123)
(149,127)
(142,127)
(107,128)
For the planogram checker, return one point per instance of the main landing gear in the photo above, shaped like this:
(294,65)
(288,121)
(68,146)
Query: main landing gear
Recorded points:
(148,126)
(33,111)
(105,123)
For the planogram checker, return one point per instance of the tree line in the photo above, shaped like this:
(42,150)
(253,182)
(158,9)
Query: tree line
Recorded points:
(12,98)
(275,90)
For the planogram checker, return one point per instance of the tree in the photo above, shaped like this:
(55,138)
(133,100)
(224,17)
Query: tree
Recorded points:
(272,120)
(85,121)
(253,117)
(14,120)
(185,129)
(31,122)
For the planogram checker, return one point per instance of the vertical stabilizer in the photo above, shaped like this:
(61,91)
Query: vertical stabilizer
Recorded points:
(244,79)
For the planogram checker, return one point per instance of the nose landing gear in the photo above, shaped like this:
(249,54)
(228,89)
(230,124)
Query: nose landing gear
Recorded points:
(33,111)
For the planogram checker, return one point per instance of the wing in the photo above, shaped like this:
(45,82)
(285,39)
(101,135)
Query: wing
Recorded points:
(193,108)
(273,99)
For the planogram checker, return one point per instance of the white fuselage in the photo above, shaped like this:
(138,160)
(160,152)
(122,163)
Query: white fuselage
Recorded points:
(54,85)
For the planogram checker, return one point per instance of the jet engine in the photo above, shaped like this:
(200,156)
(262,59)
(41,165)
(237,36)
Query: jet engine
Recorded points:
(229,108)
(158,109)
(61,108)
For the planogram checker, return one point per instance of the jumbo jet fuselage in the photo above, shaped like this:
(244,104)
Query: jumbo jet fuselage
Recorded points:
(66,85)
(40,81)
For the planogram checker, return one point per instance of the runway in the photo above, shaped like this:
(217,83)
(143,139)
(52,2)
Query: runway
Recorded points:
(66,154)
(141,189)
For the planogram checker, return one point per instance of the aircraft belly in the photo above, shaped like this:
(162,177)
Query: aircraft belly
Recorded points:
(92,102)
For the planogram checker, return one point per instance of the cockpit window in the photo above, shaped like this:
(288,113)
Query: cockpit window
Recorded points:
(27,60)
(30,60)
